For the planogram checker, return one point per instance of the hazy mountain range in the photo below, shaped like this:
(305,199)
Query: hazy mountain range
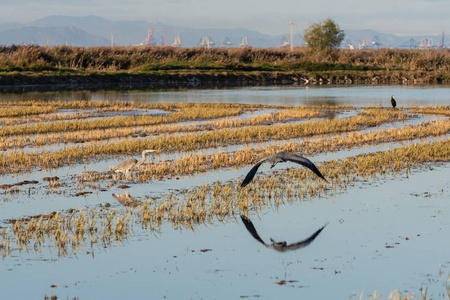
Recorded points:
(97,31)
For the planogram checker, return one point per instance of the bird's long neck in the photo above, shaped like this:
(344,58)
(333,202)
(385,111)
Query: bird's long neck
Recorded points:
(141,161)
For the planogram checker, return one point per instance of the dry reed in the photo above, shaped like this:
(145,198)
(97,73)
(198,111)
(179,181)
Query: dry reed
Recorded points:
(21,161)
(130,58)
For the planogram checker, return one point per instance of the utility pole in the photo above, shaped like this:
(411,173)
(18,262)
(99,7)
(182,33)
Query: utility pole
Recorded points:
(292,36)
(112,39)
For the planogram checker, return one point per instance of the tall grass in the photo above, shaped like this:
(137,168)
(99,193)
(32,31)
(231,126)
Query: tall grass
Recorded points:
(142,59)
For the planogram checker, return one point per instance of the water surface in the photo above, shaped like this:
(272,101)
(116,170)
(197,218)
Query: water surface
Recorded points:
(382,234)
(358,95)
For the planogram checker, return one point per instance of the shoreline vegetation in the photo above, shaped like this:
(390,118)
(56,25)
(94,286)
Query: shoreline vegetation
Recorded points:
(135,66)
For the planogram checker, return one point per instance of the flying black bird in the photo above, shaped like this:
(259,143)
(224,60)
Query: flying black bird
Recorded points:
(394,104)
(281,157)
(279,246)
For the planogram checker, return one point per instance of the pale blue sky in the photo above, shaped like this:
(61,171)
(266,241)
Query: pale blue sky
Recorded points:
(403,17)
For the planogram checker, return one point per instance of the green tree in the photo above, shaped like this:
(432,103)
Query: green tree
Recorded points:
(323,36)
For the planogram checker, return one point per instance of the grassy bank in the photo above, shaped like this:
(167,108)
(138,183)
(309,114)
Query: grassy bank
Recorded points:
(27,64)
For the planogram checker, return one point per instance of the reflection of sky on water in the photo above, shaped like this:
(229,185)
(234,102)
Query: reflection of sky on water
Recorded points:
(286,95)
(350,255)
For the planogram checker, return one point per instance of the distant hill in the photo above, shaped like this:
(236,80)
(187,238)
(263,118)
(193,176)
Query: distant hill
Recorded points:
(356,37)
(51,35)
(94,31)
(135,32)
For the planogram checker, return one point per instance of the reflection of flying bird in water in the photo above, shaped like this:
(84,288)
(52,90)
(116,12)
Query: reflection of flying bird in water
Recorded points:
(127,200)
(126,166)
(281,157)
(279,246)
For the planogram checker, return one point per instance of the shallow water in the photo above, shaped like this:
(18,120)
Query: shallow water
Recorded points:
(358,95)
(349,256)
(382,234)
(40,199)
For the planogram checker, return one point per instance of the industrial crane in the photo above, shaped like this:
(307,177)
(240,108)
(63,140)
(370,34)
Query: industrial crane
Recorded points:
(177,42)
(206,42)
(244,42)
(149,40)
(442,45)
(285,43)
(227,42)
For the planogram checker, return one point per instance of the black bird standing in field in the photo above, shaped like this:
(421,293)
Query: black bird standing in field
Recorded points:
(279,246)
(394,104)
(281,157)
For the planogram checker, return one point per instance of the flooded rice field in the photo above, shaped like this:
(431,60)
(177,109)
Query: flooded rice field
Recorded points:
(185,224)
(358,95)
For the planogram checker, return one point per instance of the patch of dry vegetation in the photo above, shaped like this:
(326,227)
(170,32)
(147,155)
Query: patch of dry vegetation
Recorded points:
(183,113)
(126,105)
(72,229)
(431,110)
(202,163)
(69,59)
(204,203)
(69,231)
(26,111)
(139,130)
(13,162)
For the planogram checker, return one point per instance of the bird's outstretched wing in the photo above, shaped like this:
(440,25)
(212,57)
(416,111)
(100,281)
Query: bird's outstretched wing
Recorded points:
(281,157)
(305,242)
(249,177)
(249,225)
(302,161)
(279,246)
